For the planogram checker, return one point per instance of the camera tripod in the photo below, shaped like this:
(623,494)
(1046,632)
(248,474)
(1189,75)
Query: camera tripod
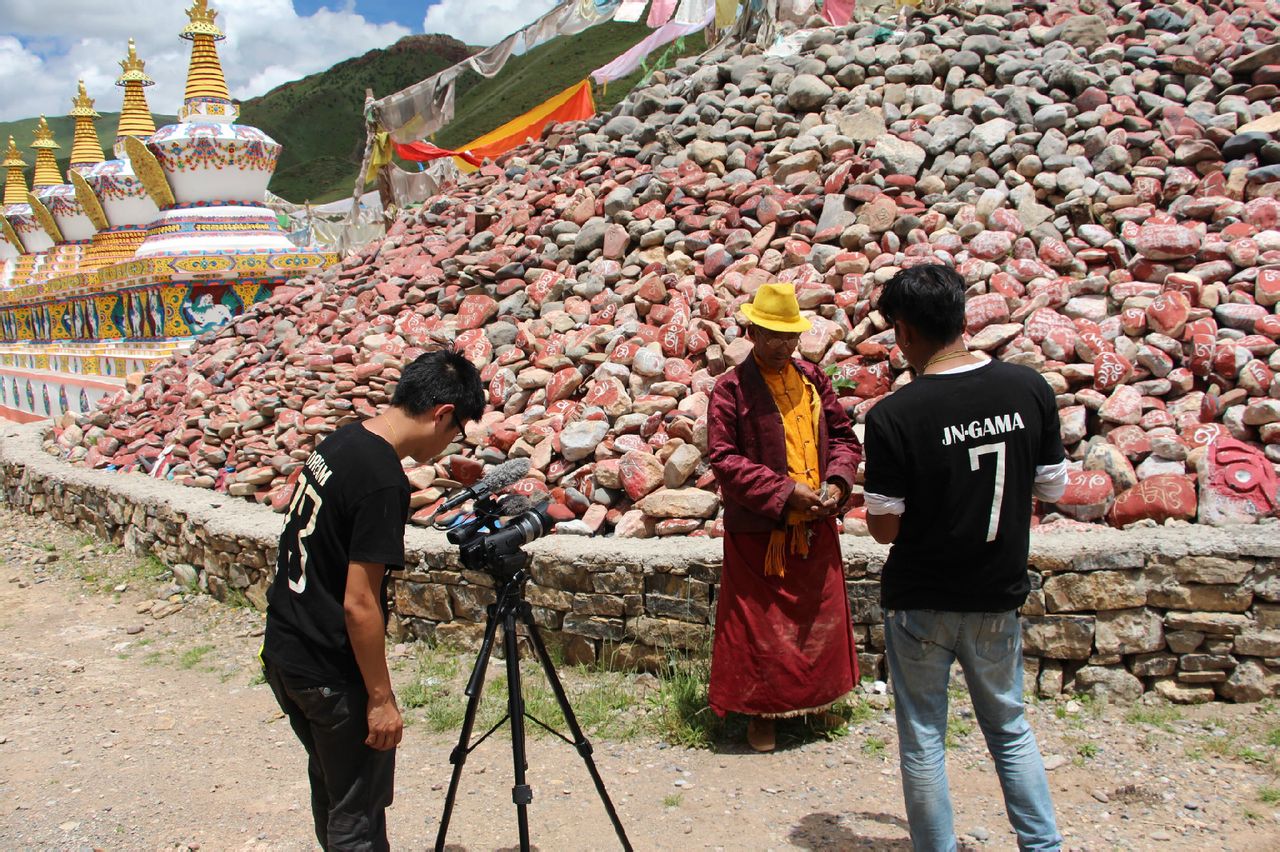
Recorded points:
(509,607)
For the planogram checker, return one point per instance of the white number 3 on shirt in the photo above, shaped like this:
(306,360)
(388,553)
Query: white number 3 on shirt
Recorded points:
(305,493)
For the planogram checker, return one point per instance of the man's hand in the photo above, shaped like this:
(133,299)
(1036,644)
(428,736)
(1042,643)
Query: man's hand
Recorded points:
(804,500)
(386,726)
(833,497)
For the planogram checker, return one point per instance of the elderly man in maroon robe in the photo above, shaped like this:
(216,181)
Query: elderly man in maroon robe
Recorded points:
(784,453)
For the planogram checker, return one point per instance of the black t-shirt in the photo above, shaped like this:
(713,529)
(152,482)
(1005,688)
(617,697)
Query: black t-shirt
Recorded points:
(962,451)
(350,505)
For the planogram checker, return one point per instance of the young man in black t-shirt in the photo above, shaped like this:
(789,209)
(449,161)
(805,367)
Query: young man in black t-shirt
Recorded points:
(952,462)
(324,650)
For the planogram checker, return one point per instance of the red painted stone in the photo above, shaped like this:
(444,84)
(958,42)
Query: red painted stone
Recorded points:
(1158,498)
(674,339)
(981,311)
(1088,496)
(1200,361)
(1237,484)
(1130,440)
(563,384)
(1167,242)
(1168,313)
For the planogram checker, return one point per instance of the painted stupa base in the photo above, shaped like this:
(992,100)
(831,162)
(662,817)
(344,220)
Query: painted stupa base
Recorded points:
(213,229)
(65,259)
(114,245)
(42,381)
(67,342)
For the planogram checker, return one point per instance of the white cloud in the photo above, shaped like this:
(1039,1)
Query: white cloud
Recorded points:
(267,44)
(483,22)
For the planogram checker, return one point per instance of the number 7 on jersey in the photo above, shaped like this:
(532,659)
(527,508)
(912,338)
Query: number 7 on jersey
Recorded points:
(997,497)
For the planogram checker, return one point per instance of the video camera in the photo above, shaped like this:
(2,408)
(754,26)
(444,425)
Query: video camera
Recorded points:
(487,542)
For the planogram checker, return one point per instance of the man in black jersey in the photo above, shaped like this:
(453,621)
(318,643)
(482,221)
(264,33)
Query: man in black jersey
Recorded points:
(324,650)
(953,460)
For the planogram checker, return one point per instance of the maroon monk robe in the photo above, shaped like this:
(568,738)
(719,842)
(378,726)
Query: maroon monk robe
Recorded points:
(783,645)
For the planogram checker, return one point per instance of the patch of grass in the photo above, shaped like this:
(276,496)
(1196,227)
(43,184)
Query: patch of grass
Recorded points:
(1252,755)
(1087,750)
(192,656)
(48,547)
(858,712)
(435,669)
(258,677)
(684,717)
(1269,795)
(1220,745)
(672,800)
(102,579)
(956,729)
(874,747)
(1158,716)
(153,659)
(236,598)
(1060,711)
(1250,814)
(1273,737)
(603,706)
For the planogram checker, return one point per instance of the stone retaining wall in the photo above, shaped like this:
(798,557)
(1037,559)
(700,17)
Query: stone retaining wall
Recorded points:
(1192,613)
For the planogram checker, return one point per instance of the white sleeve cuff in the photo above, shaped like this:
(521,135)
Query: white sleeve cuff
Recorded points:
(878,504)
(1051,481)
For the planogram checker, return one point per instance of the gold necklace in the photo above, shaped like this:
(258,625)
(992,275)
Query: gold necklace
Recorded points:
(949,356)
(395,436)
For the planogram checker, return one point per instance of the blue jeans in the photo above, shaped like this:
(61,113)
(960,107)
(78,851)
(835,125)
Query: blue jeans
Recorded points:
(921,646)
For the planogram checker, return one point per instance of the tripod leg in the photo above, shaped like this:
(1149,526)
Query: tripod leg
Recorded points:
(475,686)
(521,793)
(579,739)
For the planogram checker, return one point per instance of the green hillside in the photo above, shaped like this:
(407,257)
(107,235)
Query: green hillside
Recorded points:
(23,131)
(546,70)
(318,118)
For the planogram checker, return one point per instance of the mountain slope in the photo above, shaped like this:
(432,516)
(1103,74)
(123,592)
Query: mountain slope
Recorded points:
(318,118)
(546,70)
(63,127)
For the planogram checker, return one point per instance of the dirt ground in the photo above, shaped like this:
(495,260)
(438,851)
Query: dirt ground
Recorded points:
(120,729)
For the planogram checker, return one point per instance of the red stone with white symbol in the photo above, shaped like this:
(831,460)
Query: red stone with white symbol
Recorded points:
(1238,485)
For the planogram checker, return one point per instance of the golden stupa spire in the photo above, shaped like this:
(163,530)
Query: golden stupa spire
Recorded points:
(135,116)
(86,150)
(205,83)
(46,162)
(15,182)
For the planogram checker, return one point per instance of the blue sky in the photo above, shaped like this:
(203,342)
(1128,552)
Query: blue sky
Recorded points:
(407,13)
(47,45)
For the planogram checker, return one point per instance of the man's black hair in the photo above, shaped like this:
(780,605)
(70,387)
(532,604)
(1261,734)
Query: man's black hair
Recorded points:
(441,378)
(930,298)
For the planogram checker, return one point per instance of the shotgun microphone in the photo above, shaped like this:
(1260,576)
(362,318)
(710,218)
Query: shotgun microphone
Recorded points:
(503,476)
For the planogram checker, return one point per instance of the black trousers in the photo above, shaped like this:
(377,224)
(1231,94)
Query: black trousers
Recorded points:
(351,784)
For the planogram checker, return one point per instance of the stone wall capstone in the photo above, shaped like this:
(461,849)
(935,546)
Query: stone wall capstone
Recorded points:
(1190,613)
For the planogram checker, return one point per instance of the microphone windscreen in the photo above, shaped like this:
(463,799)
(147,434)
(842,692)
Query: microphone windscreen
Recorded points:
(514,504)
(505,475)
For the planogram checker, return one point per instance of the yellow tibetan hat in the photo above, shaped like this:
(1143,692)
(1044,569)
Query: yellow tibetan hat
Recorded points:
(775,307)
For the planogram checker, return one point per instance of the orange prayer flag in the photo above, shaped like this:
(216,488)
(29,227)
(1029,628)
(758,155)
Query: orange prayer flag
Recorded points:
(573,104)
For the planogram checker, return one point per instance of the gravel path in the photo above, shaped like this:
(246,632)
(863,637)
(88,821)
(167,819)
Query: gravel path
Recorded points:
(124,730)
